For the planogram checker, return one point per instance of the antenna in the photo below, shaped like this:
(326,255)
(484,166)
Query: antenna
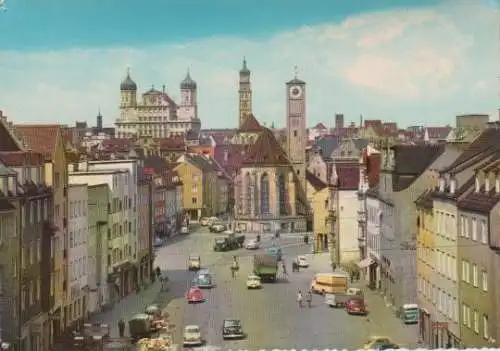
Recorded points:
(295,71)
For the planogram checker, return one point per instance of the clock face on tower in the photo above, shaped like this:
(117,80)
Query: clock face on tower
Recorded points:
(295,91)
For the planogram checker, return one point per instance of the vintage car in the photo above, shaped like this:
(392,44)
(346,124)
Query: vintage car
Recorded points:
(380,343)
(195,295)
(232,329)
(204,280)
(194,263)
(192,336)
(217,228)
(204,221)
(302,261)
(253,282)
(252,245)
(356,306)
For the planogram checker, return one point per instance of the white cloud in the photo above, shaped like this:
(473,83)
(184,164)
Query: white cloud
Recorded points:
(412,66)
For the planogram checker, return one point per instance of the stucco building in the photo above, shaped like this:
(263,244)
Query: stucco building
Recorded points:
(145,227)
(157,115)
(75,309)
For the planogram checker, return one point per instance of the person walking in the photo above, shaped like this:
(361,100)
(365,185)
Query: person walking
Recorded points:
(121,328)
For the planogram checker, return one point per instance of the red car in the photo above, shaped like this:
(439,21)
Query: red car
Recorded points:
(195,295)
(356,306)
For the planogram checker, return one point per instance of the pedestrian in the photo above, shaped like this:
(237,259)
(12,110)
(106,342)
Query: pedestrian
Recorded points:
(352,277)
(121,328)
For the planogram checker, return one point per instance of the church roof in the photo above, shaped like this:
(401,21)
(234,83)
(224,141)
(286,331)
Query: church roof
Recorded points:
(128,84)
(250,125)
(266,151)
(296,81)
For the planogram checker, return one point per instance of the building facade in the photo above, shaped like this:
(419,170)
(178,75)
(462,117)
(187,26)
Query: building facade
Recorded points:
(98,242)
(145,227)
(157,115)
(75,309)
(173,202)
(119,256)
(374,216)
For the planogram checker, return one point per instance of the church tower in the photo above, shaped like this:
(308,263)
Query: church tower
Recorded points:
(245,94)
(188,109)
(296,127)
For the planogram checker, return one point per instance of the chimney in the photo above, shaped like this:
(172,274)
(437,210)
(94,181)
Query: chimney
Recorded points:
(441,184)
(163,88)
(453,185)
(478,185)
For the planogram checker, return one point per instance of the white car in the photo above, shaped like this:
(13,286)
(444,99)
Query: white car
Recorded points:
(192,336)
(253,282)
(252,245)
(184,230)
(302,261)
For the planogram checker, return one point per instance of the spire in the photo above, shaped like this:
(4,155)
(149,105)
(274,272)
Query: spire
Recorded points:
(99,114)
(188,82)
(128,84)
(244,70)
(295,72)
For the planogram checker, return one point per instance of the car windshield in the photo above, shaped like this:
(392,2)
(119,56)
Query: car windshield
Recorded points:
(220,240)
(194,258)
(232,323)
(192,329)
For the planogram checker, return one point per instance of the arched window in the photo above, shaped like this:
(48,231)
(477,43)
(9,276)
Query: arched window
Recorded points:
(264,194)
(248,193)
(282,194)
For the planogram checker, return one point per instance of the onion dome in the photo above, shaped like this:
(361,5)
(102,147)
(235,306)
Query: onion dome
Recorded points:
(128,84)
(188,82)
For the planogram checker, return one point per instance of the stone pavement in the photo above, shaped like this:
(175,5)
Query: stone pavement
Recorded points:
(382,319)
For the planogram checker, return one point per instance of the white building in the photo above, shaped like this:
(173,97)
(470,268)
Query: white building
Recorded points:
(120,257)
(77,298)
(373,222)
(130,207)
(157,115)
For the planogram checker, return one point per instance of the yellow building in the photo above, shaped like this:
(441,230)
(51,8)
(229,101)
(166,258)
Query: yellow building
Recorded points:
(49,141)
(319,195)
(200,192)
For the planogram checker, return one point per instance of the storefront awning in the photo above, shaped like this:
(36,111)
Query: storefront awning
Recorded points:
(365,263)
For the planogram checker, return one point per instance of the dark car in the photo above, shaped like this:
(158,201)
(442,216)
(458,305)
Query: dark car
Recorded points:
(232,329)
(356,306)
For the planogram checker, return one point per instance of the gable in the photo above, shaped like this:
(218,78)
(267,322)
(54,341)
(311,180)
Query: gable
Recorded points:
(8,141)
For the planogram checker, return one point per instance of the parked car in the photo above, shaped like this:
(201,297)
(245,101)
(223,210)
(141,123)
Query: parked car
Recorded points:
(158,242)
(253,282)
(356,306)
(194,263)
(232,329)
(195,295)
(184,229)
(204,221)
(252,245)
(217,228)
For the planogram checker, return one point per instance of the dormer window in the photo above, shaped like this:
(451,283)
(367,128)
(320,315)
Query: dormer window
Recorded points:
(487,184)
(11,185)
(4,185)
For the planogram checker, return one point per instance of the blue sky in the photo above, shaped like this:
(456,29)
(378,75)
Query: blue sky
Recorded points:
(405,61)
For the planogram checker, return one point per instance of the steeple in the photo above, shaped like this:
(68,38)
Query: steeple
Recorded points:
(128,84)
(245,94)
(188,82)
(244,71)
(99,120)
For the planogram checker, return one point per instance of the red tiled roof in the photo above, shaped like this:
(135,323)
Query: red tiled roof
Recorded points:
(117,143)
(480,201)
(235,156)
(40,137)
(347,176)
(266,151)
(172,143)
(250,125)
(21,158)
(320,126)
(317,183)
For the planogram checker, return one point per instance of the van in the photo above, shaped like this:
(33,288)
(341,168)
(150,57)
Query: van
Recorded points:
(410,313)
(330,283)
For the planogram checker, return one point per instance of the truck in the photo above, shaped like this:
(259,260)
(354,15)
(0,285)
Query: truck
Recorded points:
(276,252)
(265,267)
(229,242)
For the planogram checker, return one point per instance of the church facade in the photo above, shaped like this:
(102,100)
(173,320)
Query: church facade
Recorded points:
(270,185)
(156,114)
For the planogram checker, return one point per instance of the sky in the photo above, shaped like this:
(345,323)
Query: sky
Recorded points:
(406,61)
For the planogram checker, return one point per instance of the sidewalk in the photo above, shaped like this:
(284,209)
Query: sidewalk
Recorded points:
(129,306)
(382,320)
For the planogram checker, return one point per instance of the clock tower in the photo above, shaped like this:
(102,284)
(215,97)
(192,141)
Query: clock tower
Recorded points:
(245,94)
(296,127)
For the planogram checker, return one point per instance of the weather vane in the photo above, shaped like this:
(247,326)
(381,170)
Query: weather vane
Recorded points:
(3,8)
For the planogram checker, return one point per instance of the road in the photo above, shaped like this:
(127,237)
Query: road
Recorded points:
(270,316)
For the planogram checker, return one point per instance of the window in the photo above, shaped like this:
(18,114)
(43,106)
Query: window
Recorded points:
(194,188)
(194,200)
(484,232)
(475,321)
(474,229)
(465,271)
(484,280)
(32,212)
(71,240)
(294,133)
(462,226)
(474,275)
(455,310)
(466,227)
(264,194)
(486,332)
(465,316)
(39,210)
(38,250)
